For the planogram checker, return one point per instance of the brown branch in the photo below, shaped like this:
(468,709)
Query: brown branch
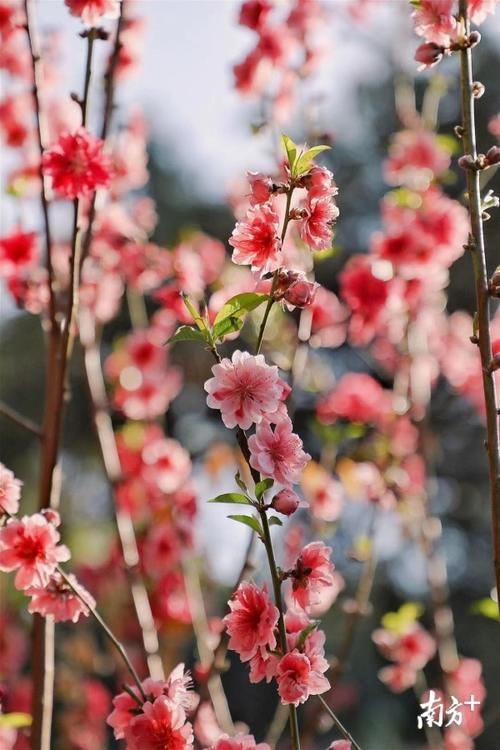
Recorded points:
(478,253)
(20,420)
(126,533)
(60,341)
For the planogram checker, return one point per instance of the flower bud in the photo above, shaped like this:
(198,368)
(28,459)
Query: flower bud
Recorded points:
(478,89)
(52,516)
(295,289)
(493,156)
(429,54)
(467,162)
(474,38)
(494,284)
(286,502)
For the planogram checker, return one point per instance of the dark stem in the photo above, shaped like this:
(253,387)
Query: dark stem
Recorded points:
(477,248)
(35,64)
(270,303)
(343,731)
(114,640)
(268,544)
(60,341)
(20,420)
(109,96)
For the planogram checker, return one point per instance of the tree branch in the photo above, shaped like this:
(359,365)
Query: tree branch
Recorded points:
(478,252)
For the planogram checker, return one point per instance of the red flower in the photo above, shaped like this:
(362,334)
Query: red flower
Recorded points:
(58,599)
(77,165)
(17,250)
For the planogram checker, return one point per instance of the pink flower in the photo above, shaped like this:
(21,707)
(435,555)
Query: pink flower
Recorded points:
(316,227)
(312,573)
(278,453)
(398,677)
(17,250)
(260,186)
(162,548)
(166,464)
(434,20)
(10,491)
(252,621)
(245,389)
(255,240)
(160,726)
(92,11)
(357,398)
(58,599)
(319,183)
(414,647)
(479,9)
(297,680)
(176,689)
(31,547)
(239,742)
(415,158)
(340,745)
(77,165)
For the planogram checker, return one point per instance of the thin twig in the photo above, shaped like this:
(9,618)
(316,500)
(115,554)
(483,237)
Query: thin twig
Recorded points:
(109,633)
(36,61)
(270,302)
(343,731)
(477,249)
(18,419)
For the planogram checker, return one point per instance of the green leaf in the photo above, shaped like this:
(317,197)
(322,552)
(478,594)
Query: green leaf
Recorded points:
(487,607)
(187,333)
(275,521)
(226,326)
(291,149)
(200,323)
(305,160)
(232,497)
(250,521)
(239,305)
(262,487)
(239,481)
(16,720)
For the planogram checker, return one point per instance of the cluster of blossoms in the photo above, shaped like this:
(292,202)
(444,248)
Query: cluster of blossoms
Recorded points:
(252,627)
(288,48)
(31,547)
(437,22)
